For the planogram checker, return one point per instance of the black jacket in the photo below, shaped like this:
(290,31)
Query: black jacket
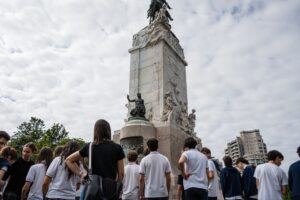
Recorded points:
(230,179)
(249,182)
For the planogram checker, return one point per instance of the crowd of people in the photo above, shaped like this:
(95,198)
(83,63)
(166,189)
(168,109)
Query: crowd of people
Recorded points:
(59,175)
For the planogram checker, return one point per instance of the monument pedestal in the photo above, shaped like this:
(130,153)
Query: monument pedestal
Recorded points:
(136,128)
(135,134)
(171,139)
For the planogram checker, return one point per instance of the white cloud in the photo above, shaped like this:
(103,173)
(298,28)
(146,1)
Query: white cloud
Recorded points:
(68,62)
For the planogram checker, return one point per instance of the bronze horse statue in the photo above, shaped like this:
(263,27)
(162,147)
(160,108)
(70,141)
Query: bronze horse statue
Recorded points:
(154,8)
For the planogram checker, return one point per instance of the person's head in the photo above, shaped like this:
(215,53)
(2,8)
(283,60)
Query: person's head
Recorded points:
(45,156)
(275,156)
(152,144)
(71,147)
(227,161)
(139,95)
(102,131)
(4,138)
(190,143)
(9,153)
(298,151)
(132,156)
(206,151)
(146,151)
(28,150)
(241,162)
(58,150)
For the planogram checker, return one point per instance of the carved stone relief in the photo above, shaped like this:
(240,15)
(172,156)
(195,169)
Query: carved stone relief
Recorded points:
(177,112)
(168,107)
(184,117)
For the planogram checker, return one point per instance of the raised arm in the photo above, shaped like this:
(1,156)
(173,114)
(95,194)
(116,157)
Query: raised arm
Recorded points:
(72,165)
(181,162)
(130,99)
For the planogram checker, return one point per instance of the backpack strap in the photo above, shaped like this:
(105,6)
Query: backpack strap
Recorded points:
(90,158)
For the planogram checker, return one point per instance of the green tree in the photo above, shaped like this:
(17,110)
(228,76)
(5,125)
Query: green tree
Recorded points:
(34,131)
(30,131)
(53,136)
(80,141)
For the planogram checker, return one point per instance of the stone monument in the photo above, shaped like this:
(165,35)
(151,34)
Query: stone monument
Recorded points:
(158,73)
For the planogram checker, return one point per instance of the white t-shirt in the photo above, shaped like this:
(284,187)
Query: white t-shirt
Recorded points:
(213,184)
(155,166)
(196,165)
(131,181)
(271,178)
(36,176)
(61,186)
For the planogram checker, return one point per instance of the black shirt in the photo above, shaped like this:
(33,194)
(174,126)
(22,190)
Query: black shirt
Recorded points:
(18,173)
(105,158)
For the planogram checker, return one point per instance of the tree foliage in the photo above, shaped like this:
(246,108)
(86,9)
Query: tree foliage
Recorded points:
(31,131)
(34,131)
(53,136)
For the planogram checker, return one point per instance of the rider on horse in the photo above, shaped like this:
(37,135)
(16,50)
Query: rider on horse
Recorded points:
(155,6)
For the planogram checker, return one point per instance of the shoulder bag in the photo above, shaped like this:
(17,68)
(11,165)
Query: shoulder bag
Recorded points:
(99,188)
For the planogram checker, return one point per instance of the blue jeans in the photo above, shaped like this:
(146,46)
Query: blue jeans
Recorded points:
(196,194)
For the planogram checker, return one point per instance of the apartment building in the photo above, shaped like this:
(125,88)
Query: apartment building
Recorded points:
(249,145)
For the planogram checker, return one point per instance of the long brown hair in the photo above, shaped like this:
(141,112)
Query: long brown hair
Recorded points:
(45,156)
(68,149)
(102,132)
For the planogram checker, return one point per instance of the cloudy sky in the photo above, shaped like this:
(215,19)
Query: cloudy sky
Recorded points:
(68,62)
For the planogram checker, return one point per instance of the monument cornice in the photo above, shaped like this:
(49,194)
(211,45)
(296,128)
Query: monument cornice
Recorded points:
(153,34)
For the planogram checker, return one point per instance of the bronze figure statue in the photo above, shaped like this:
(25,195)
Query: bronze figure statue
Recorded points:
(154,8)
(139,110)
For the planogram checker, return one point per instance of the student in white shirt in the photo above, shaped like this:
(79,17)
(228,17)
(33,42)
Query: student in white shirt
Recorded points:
(131,178)
(36,174)
(64,182)
(213,178)
(271,180)
(155,174)
(194,169)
